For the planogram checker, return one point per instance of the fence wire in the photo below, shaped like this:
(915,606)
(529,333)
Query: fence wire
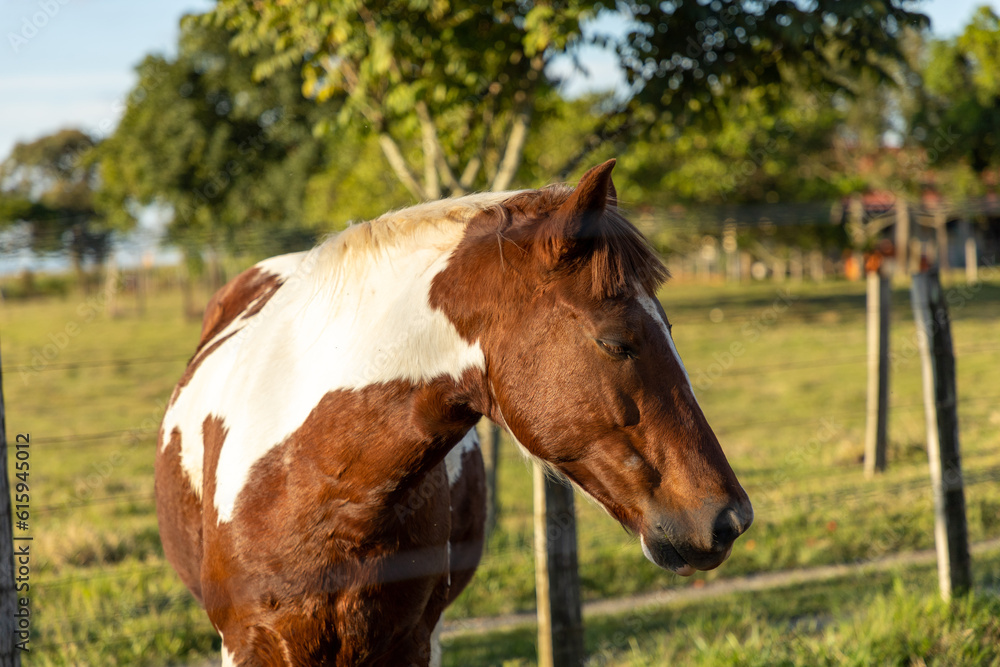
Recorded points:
(858,498)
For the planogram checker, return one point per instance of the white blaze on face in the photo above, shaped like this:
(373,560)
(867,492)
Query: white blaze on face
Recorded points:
(652,308)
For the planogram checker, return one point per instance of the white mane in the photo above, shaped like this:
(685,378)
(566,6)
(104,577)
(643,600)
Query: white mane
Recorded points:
(437,225)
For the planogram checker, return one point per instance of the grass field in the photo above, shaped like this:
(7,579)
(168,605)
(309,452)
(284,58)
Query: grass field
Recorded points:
(891,618)
(780,373)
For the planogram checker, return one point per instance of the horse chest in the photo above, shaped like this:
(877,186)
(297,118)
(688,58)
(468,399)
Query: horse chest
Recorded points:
(302,569)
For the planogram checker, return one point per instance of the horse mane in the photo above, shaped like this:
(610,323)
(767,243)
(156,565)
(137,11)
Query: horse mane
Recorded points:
(436,224)
(413,224)
(619,258)
(622,259)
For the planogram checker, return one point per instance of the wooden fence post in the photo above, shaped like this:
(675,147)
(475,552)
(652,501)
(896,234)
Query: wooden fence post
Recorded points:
(492,464)
(902,237)
(113,276)
(731,248)
(879,295)
(557,580)
(941,237)
(937,355)
(971,256)
(9,655)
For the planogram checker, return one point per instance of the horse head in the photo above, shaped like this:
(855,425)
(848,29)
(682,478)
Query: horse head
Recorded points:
(580,366)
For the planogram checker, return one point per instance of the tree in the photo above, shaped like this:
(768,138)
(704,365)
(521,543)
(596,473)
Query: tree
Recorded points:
(231,158)
(683,58)
(961,118)
(48,184)
(755,152)
(450,88)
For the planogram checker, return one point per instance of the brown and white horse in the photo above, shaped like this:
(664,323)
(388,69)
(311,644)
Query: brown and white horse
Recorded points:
(319,484)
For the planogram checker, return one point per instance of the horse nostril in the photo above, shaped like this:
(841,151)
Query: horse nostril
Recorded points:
(727,527)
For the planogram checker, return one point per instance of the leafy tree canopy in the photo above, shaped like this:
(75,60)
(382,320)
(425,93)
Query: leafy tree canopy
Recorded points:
(961,119)
(232,158)
(684,56)
(449,88)
(48,184)
(452,86)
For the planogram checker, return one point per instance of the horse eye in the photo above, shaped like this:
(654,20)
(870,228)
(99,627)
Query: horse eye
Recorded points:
(616,349)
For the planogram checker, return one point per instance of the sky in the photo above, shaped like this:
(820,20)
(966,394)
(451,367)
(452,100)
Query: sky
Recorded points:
(69,63)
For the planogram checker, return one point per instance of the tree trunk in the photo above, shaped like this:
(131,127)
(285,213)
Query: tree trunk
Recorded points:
(513,152)
(82,280)
(398,164)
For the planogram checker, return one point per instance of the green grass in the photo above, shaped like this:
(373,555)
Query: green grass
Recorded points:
(889,618)
(787,403)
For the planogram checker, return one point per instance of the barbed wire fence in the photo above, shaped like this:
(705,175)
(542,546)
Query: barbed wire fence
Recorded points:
(65,631)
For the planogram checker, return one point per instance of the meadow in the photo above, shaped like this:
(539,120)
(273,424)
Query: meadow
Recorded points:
(780,372)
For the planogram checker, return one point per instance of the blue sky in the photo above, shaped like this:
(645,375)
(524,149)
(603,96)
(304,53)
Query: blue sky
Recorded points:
(69,63)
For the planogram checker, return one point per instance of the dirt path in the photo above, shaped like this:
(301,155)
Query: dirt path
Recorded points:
(756,582)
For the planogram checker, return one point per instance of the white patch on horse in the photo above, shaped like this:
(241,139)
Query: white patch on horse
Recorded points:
(453,460)
(227,657)
(650,307)
(354,313)
(195,401)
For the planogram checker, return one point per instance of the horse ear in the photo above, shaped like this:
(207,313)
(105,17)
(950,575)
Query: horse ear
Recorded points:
(578,218)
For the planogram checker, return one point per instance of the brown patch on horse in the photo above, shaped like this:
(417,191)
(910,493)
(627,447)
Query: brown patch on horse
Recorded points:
(215,580)
(178,511)
(563,265)
(537,237)
(326,542)
(243,296)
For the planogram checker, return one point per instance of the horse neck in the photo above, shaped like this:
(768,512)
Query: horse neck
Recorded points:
(385,358)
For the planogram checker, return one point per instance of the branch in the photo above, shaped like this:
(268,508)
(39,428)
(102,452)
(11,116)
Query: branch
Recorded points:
(432,142)
(514,150)
(431,184)
(398,164)
(469,173)
(385,140)
(475,163)
(518,137)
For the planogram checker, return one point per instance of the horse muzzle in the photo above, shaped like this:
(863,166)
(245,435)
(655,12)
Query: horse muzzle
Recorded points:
(680,551)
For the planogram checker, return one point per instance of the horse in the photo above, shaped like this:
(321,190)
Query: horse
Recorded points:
(319,484)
